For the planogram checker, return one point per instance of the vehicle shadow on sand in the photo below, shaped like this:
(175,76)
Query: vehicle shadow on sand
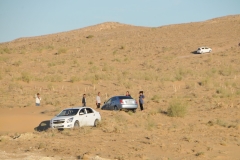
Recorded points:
(194,52)
(43,126)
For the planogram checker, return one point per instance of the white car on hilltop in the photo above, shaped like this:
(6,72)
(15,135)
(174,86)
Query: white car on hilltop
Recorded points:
(204,50)
(76,117)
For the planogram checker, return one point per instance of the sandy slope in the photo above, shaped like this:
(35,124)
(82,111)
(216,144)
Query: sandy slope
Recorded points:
(21,120)
(144,135)
(113,58)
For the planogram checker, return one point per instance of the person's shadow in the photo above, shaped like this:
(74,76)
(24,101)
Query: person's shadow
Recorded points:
(43,126)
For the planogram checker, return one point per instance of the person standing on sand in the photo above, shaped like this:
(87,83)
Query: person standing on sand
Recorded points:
(141,101)
(98,100)
(84,100)
(127,94)
(38,99)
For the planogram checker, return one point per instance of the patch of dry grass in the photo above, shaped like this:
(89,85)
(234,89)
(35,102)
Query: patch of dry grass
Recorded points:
(177,108)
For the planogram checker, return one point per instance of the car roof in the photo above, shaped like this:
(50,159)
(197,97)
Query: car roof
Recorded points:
(120,96)
(77,108)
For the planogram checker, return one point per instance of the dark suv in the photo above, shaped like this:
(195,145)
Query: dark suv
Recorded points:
(120,103)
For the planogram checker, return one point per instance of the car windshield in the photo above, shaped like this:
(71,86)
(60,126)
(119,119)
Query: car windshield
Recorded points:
(125,97)
(69,112)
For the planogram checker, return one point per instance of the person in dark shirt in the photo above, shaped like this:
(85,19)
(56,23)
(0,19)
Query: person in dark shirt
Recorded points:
(84,100)
(141,100)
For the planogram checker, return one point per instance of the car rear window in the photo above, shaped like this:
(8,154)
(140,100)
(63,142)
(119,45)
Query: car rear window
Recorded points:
(125,97)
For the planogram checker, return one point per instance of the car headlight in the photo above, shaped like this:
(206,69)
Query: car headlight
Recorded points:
(70,120)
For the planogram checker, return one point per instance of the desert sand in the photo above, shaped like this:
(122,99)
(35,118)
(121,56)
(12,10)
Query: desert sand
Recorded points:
(114,58)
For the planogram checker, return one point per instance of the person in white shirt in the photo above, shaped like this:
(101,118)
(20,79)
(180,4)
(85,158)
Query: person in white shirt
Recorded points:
(38,99)
(98,100)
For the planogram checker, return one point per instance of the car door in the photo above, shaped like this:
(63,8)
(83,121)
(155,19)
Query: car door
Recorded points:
(90,117)
(206,49)
(107,104)
(82,117)
(113,103)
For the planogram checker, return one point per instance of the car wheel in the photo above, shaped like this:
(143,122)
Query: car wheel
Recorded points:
(134,110)
(76,124)
(96,123)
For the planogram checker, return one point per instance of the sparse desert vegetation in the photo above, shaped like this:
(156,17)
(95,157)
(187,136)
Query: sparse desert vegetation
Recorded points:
(177,108)
(191,101)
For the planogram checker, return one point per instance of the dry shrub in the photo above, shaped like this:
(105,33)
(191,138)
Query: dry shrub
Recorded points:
(223,92)
(156,98)
(226,71)
(199,154)
(25,77)
(62,50)
(75,79)
(84,130)
(221,123)
(127,85)
(40,146)
(150,124)
(102,123)
(177,108)
(90,36)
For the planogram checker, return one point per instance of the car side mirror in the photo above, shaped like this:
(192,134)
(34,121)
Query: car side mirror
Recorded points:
(81,113)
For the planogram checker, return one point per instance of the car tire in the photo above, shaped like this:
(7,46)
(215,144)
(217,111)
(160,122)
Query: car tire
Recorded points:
(76,124)
(115,108)
(96,122)
(134,110)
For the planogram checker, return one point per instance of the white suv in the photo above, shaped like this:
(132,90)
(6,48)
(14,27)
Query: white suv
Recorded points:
(204,50)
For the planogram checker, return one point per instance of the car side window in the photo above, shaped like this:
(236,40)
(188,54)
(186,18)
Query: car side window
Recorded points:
(114,99)
(109,101)
(89,110)
(82,111)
